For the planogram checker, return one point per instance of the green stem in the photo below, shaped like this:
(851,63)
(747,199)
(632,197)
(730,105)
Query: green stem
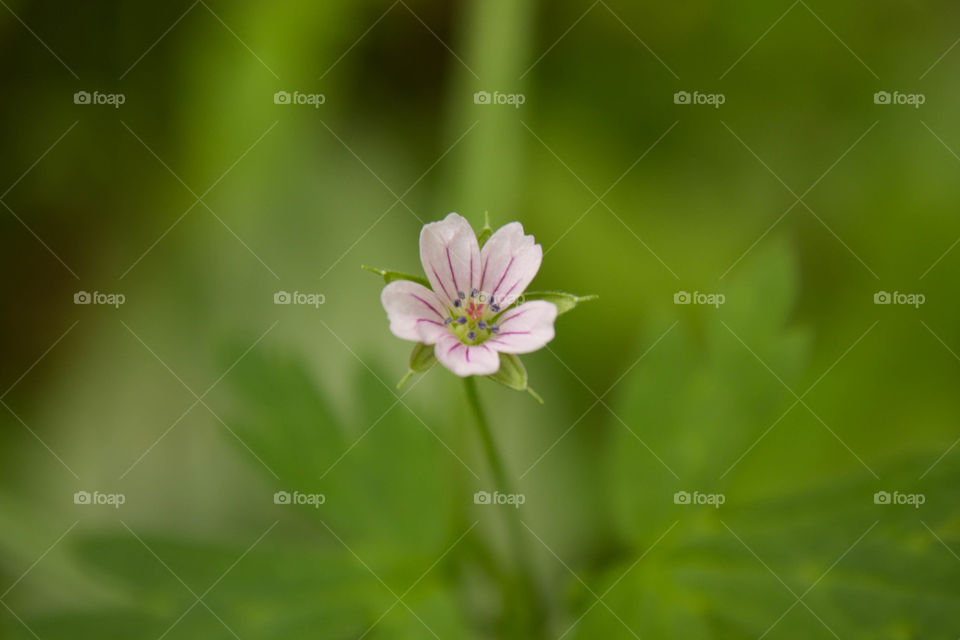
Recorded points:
(531,610)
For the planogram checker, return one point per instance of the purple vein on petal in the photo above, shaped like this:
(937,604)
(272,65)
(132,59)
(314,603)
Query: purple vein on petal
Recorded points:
(440,281)
(505,272)
(430,306)
(452,274)
(515,315)
(510,290)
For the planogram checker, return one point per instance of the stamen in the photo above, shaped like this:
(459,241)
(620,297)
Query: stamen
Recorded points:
(495,308)
(462,319)
(481,325)
(456,303)
(494,328)
(472,335)
(473,293)
(447,320)
(461,295)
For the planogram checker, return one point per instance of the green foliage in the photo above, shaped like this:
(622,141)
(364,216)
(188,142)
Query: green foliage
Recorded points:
(389,500)
(699,403)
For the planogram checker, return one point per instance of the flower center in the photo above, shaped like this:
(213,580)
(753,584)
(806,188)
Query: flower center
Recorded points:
(473,319)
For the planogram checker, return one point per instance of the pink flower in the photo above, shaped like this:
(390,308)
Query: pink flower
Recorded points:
(467,313)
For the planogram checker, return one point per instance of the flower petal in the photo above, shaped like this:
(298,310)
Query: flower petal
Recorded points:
(414,312)
(450,256)
(525,328)
(476,360)
(510,261)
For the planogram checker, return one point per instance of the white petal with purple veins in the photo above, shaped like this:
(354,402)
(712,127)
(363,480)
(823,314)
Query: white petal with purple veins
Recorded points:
(450,256)
(414,311)
(525,328)
(509,262)
(464,360)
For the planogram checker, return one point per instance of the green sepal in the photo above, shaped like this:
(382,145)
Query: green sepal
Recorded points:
(390,276)
(513,374)
(422,359)
(487,230)
(563,301)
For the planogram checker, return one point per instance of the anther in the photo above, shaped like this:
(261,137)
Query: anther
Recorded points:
(462,319)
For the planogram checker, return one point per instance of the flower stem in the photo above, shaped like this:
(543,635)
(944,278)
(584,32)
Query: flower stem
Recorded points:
(530,612)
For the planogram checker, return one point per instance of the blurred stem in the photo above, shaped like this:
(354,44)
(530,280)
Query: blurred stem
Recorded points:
(530,611)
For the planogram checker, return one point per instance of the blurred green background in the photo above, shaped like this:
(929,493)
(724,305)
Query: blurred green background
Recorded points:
(197,199)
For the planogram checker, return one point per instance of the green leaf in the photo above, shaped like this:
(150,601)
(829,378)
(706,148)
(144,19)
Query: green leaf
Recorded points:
(487,230)
(798,504)
(563,301)
(513,374)
(390,276)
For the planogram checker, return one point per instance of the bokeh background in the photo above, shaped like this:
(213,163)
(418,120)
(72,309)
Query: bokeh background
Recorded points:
(197,199)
